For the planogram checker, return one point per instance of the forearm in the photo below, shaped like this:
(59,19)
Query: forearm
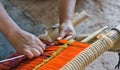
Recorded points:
(7,25)
(66,10)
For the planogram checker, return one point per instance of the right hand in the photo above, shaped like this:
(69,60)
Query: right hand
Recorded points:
(26,43)
(21,40)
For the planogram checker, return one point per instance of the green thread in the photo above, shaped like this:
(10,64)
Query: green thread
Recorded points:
(55,54)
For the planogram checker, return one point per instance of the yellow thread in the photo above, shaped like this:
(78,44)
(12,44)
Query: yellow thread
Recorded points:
(55,53)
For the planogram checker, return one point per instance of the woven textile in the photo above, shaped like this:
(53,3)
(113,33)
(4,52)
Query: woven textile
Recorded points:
(55,64)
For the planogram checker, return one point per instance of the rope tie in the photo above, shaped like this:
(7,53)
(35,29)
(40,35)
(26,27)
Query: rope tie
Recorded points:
(110,42)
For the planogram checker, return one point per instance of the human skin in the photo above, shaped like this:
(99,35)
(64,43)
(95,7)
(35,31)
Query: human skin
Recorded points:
(24,42)
(66,30)
(27,43)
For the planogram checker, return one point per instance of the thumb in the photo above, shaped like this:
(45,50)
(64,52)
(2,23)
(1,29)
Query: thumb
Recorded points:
(61,35)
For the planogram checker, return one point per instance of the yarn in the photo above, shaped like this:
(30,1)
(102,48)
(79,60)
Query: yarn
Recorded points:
(54,64)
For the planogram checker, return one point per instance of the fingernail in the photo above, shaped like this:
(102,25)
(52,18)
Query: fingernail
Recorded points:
(59,38)
(36,52)
(44,46)
(28,53)
(30,56)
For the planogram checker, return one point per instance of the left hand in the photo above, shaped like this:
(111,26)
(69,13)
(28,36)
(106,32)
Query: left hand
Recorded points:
(66,31)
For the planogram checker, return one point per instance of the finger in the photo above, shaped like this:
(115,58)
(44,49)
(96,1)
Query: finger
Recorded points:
(40,49)
(69,37)
(35,52)
(28,53)
(61,35)
(42,45)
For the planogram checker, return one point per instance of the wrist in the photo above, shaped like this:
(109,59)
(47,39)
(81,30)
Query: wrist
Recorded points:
(10,30)
(67,21)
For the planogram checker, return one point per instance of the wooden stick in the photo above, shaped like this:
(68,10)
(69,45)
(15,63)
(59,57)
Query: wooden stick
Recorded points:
(91,36)
(79,17)
(80,37)
(10,59)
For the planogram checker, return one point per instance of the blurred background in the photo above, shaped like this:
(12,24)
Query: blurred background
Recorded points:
(33,15)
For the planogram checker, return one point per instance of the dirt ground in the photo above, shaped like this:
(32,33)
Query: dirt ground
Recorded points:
(101,13)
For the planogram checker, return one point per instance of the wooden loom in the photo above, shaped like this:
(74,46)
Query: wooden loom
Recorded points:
(84,53)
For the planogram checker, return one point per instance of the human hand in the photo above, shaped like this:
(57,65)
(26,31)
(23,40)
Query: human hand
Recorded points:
(66,31)
(26,43)
(22,41)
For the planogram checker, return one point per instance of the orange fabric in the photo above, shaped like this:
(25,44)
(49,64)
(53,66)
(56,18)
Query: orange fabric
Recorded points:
(56,63)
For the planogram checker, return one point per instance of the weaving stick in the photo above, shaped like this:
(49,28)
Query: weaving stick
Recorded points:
(5,60)
(91,36)
(53,33)
(104,43)
(88,37)
(80,37)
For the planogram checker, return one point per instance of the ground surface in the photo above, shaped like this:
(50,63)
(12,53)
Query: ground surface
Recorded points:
(101,13)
